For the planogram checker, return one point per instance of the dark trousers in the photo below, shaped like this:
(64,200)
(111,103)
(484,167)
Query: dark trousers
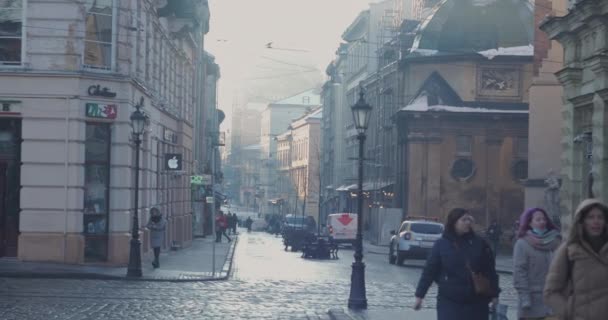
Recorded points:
(156,255)
(219,233)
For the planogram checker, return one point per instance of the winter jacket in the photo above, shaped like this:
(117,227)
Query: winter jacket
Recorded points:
(447,266)
(157,232)
(577,283)
(530,267)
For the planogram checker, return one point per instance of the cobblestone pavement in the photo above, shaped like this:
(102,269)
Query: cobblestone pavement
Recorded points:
(268,283)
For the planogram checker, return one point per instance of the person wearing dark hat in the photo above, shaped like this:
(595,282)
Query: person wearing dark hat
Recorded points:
(157,226)
(577,282)
(462,265)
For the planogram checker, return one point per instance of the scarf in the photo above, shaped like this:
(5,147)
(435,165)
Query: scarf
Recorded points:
(547,241)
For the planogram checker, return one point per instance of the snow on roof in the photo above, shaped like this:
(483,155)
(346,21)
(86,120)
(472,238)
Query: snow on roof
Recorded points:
(421,105)
(512,51)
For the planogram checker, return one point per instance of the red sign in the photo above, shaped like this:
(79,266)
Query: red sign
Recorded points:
(345,219)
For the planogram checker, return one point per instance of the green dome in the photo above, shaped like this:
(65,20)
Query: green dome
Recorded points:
(477,25)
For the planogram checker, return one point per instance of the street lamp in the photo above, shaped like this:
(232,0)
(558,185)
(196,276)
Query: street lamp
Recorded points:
(357,300)
(139,120)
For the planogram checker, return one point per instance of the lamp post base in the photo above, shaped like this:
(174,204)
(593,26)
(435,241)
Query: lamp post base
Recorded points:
(357,299)
(134,268)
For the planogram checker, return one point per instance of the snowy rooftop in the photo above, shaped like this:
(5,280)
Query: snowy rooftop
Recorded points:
(523,51)
(421,105)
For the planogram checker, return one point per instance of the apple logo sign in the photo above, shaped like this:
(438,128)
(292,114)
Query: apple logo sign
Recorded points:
(173,161)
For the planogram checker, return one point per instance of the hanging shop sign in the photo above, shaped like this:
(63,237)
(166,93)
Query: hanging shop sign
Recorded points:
(98,91)
(103,111)
(173,162)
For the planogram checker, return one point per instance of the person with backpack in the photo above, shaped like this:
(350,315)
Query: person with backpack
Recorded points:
(537,240)
(462,265)
(577,283)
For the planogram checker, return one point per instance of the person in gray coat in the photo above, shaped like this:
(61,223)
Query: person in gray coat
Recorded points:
(538,238)
(157,226)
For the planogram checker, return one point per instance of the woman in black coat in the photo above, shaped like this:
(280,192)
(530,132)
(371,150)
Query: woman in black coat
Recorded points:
(453,259)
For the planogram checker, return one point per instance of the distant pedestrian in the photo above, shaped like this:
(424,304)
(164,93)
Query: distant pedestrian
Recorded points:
(462,265)
(538,238)
(234,223)
(157,226)
(577,282)
(494,233)
(248,224)
(221,224)
(514,231)
(229,222)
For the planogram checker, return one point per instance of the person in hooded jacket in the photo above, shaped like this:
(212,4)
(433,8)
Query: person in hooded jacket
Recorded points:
(577,283)
(454,258)
(537,240)
(157,226)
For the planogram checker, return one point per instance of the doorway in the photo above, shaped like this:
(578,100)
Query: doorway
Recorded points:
(10,167)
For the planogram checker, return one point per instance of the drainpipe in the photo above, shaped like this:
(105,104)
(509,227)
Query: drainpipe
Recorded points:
(67,178)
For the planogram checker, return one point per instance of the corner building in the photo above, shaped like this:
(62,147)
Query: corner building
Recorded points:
(70,76)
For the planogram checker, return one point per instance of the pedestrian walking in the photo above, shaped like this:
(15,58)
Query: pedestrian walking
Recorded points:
(577,283)
(494,233)
(157,226)
(248,224)
(538,238)
(221,224)
(234,223)
(229,222)
(462,265)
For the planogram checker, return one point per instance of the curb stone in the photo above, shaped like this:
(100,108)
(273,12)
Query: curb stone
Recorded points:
(179,276)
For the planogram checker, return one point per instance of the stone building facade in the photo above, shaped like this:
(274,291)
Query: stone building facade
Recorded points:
(583,33)
(70,76)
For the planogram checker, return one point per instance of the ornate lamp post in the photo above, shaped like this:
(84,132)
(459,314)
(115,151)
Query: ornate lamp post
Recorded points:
(358,300)
(139,120)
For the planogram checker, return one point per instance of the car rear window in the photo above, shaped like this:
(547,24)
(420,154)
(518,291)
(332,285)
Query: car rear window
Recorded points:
(427,228)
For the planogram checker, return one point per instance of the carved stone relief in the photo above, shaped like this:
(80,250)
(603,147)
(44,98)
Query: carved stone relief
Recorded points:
(498,82)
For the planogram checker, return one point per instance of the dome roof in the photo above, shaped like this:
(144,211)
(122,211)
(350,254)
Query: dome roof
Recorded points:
(475,25)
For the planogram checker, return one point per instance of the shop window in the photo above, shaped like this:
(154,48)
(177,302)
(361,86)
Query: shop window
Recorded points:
(463,169)
(11,32)
(99,36)
(96,193)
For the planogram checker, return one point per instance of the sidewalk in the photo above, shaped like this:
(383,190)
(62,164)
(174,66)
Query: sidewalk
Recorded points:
(504,262)
(409,314)
(190,264)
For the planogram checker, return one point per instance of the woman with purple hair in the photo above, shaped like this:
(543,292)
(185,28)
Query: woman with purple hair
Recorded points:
(538,238)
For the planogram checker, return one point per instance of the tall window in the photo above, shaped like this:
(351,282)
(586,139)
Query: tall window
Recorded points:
(464,146)
(96,192)
(99,34)
(11,31)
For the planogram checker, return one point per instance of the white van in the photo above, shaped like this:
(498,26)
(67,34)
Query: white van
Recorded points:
(342,227)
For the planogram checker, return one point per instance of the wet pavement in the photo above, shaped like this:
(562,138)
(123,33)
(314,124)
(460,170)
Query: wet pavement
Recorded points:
(266,283)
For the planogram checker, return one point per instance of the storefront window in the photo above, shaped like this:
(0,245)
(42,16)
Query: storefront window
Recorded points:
(96,193)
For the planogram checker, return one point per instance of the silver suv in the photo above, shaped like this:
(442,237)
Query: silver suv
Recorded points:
(414,237)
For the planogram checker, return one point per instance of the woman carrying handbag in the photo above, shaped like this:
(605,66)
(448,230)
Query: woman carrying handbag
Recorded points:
(462,265)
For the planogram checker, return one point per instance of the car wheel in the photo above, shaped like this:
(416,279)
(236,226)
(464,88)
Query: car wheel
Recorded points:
(401,255)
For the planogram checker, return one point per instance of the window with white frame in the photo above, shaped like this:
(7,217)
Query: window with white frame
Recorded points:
(99,36)
(11,32)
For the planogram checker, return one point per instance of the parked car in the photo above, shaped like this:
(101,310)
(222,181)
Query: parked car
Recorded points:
(341,228)
(415,237)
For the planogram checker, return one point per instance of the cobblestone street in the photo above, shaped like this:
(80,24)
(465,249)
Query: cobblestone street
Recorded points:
(267,283)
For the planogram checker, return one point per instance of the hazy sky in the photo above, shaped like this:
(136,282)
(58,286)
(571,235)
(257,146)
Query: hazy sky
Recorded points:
(304,34)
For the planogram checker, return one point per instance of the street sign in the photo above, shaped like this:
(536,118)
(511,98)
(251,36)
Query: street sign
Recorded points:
(173,161)
(209,199)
